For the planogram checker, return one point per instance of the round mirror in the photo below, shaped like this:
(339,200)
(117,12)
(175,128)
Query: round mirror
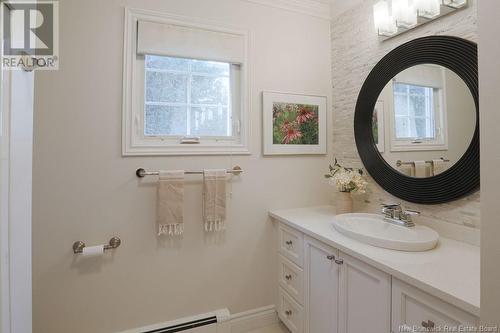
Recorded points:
(416,120)
(424,120)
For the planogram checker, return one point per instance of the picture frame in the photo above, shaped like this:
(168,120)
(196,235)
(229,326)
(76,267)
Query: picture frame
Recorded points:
(294,124)
(378,129)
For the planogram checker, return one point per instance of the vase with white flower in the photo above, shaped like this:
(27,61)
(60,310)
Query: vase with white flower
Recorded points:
(347,181)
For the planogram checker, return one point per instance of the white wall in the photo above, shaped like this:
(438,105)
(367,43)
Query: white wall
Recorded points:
(489,85)
(356,49)
(85,190)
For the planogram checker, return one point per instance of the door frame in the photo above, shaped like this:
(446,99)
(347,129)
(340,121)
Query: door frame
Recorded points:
(16,145)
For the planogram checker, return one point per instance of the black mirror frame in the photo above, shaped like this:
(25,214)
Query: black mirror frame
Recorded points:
(463,178)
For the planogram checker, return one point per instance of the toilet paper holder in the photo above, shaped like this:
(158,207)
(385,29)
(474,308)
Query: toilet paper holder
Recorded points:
(113,244)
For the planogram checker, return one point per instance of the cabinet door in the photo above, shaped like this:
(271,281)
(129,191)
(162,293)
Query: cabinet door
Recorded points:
(321,278)
(412,307)
(365,298)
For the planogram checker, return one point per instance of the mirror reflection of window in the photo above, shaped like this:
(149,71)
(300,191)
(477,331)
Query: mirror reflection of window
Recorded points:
(414,111)
(429,120)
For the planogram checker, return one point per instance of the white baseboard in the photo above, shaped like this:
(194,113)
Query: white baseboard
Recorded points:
(243,322)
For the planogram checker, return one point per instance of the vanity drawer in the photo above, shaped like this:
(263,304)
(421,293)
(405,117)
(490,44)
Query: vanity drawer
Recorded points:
(290,312)
(291,279)
(291,244)
(413,307)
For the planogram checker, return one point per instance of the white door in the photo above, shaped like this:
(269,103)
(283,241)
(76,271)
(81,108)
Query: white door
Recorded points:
(321,279)
(365,298)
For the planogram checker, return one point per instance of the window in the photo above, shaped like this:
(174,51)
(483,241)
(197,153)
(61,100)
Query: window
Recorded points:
(188,97)
(414,112)
(185,87)
(418,117)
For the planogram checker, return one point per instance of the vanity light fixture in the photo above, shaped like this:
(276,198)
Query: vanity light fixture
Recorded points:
(393,17)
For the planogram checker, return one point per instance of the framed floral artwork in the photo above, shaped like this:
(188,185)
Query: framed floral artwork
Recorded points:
(294,124)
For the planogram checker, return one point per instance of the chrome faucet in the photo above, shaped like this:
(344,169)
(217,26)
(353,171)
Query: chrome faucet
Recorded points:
(396,214)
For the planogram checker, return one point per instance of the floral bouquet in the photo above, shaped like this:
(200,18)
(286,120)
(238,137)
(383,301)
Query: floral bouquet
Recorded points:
(346,179)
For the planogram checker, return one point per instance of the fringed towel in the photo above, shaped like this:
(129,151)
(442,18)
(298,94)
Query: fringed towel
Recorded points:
(171,203)
(420,169)
(214,199)
(437,167)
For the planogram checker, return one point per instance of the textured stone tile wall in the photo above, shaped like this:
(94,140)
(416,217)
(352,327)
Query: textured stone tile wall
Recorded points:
(355,50)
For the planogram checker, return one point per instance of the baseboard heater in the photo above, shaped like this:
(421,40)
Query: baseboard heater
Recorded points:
(188,326)
(212,322)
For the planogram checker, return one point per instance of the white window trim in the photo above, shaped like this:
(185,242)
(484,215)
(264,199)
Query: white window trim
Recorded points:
(406,145)
(133,142)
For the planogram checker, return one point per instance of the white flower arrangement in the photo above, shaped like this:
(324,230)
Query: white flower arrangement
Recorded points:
(346,179)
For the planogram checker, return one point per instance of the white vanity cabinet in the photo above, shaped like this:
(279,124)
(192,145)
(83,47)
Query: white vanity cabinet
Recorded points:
(339,294)
(332,284)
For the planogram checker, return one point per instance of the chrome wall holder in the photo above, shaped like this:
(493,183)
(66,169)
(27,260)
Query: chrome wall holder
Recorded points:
(114,242)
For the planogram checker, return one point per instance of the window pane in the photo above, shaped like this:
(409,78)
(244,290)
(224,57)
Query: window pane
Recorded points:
(417,106)
(402,124)
(209,121)
(210,67)
(165,120)
(420,128)
(186,97)
(166,87)
(400,87)
(417,90)
(400,105)
(210,90)
(167,63)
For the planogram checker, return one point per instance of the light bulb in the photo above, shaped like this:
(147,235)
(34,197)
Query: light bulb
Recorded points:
(455,3)
(404,13)
(384,22)
(428,8)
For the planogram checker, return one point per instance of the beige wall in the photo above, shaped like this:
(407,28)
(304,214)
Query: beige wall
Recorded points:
(489,86)
(355,51)
(85,190)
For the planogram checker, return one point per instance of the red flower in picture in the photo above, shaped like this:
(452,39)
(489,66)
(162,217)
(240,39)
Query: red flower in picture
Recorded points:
(291,134)
(285,126)
(304,115)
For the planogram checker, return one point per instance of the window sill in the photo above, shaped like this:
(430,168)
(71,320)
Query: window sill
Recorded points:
(418,147)
(185,149)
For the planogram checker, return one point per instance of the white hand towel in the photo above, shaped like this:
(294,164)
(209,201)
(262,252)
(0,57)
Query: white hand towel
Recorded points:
(171,203)
(214,199)
(420,168)
(407,170)
(437,166)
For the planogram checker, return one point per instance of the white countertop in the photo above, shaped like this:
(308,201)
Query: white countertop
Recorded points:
(450,271)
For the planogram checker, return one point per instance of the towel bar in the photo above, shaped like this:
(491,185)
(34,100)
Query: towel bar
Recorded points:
(237,170)
(400,163)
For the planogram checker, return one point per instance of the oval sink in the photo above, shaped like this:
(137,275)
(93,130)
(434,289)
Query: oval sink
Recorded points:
(373,230)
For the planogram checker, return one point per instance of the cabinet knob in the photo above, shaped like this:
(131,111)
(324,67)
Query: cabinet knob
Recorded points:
(330,257)
(289,242)
(428,324)
(339,261)
(288,312)
(288,277)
